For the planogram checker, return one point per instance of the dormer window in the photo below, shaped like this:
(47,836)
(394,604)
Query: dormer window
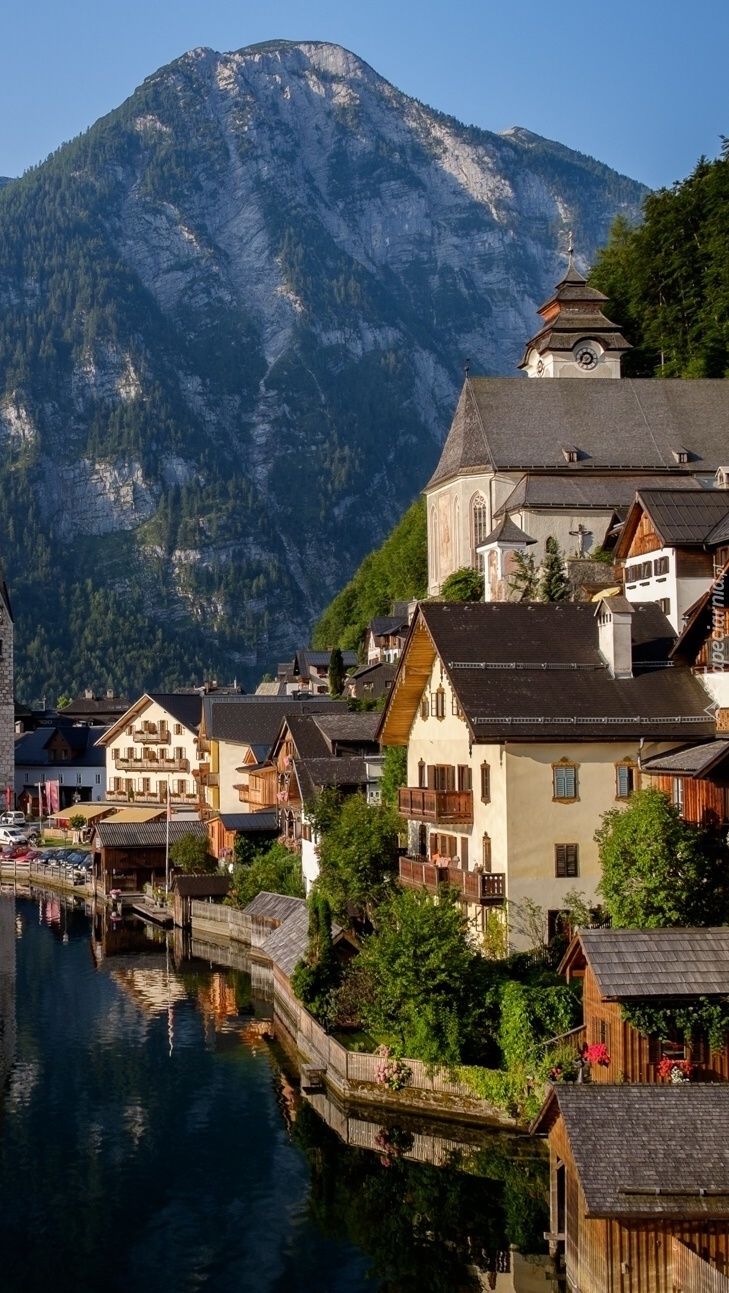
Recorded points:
(569,452)
(680,455)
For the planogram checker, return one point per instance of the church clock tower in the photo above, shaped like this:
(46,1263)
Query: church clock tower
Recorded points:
(576,339)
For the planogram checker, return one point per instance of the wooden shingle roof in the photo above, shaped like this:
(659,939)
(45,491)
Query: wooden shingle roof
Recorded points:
(202,886)
(646,1151)
(126,835)
(633,963)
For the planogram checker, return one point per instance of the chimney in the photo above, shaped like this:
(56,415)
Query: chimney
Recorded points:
(88,694)
(110,693)
(615,638)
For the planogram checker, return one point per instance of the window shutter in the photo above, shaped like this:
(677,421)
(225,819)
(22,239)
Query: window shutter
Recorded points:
(431,776)
(565,781)
(566,860)
(450,777)
(485,783)
(422,779)
(464,852)
(486,853)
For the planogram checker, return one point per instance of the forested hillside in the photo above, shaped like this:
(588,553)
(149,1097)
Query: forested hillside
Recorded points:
(233,318)
(398,571)
(668,279)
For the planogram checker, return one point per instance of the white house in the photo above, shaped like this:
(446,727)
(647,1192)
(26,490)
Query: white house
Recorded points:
(152,751)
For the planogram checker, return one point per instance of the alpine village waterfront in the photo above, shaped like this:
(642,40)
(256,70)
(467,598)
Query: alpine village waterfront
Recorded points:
(404,963)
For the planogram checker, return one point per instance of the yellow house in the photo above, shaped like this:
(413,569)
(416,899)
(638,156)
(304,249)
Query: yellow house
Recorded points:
(524,723)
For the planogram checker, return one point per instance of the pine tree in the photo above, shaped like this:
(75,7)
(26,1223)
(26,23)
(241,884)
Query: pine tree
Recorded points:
(525,579)
(337,673)
(554,586)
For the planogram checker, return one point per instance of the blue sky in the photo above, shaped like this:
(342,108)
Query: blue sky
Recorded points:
(641,84)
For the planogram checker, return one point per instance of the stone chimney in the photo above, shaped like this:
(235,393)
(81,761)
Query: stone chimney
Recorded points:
(615,637)
(88,694)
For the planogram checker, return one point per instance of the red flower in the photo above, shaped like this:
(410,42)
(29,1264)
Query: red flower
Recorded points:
(598,1053)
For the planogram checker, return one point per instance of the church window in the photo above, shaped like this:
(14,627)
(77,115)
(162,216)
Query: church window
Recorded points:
(434,542)
(479,525)
(456,534)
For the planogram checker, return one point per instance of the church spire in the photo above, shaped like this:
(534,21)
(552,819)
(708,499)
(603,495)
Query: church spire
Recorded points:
(576,338)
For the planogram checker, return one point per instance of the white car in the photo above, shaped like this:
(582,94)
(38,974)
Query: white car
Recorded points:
(12,819)
(12,835)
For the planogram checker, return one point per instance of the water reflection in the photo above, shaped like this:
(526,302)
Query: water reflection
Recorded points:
(151,1138)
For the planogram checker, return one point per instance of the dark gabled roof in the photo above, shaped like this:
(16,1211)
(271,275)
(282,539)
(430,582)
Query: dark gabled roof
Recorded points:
(385,625)
(321,659)
(184,709)
(604,493)
(250,823)
(691,761)
(680,518)
(369,668)
(31,748)
(634,963)
(125,835)
(632,1143)
(630,423)
(309,741)
(202,886)
(288,944)
(314,774)
(90,706)
(505,531)
(277,906)
(699,619)
(533,671)
(349,726)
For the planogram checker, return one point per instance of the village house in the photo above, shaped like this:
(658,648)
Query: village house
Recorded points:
(128,855)
(524,723)
(639,1186)
(152,751)
(64,752)
(673,544)
(562,454)
(225,828)
(662,968)
(236,734)
(370,681)
(386,634)
(309,671)
(98,711)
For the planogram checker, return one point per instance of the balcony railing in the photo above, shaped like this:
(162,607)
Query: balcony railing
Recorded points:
(151,736)
(441,807)
(153,765)
(474,886)
(149,797)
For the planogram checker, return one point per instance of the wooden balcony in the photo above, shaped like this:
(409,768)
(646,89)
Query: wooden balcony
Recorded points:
(262,788)
(487,887)
(153,765)
(441,807)
(151,736)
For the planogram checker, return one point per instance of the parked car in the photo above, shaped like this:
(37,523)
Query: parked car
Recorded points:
(12,819)
(12,835)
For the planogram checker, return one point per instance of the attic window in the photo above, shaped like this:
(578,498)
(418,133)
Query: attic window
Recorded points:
(569,452)
(680,455)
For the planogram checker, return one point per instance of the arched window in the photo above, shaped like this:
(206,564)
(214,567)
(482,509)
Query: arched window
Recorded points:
(456,535)
(479,525)
(433,545)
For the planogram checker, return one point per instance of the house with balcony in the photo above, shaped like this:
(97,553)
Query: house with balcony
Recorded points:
(672,545)
(525,722)
(639,1186)
(662,968)
(309,671)
(235,736)
(386,634)
(152,751)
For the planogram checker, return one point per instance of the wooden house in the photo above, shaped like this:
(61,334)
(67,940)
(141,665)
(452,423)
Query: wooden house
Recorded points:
(128,855)
(226,827)
(696,780)
(661,967)
(197,888)
(639,1186)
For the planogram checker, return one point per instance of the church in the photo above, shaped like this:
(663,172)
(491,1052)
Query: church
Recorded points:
(563,452)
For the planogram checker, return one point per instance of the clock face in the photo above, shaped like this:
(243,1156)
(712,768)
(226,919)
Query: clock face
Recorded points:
(586,357)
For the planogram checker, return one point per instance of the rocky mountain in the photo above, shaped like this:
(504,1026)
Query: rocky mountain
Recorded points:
(233,318)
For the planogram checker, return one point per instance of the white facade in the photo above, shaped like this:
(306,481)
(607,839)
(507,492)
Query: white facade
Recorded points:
(150,753)
(660,582)
(588,358)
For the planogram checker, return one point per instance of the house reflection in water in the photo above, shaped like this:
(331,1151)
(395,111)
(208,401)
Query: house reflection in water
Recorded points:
(7,985)
(639,1186)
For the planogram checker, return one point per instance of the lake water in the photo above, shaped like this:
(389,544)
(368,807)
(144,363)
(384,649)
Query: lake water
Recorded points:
(145,1143)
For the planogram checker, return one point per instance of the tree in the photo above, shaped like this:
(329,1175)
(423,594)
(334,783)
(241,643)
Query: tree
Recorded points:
(277,870)
(358,855)
(429,981)
(525,577)
(658,870)
(191,854)
(464,585)
(337,673)
(63,702)
(315,977)
(394,773)
(77,822)
(554,586)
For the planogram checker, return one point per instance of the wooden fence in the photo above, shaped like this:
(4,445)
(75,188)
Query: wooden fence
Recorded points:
(691,1274)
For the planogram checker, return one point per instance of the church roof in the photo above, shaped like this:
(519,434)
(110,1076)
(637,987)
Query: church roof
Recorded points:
(631,424)
(574,313)
(603,493)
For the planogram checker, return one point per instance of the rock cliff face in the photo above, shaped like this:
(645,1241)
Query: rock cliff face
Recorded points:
(235,315)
